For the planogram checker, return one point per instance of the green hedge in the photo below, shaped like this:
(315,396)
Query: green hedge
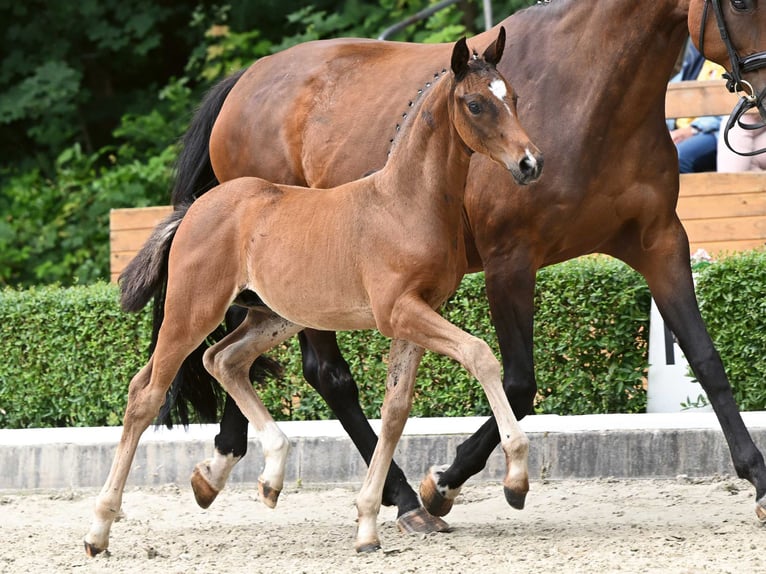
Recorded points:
(70,352)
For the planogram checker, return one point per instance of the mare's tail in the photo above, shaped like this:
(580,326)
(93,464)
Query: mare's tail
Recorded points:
(194,172)
(193,385)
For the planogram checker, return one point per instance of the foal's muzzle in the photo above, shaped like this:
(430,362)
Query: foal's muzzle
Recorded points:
(529,168)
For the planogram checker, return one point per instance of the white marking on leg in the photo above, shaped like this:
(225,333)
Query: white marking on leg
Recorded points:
(275,446)
(220,467)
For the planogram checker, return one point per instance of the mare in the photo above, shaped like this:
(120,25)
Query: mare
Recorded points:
(591,80)
(385,251)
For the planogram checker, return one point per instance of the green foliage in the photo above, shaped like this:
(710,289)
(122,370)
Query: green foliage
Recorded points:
(732,298)
(59,231)
(85,127)
(68,356)
(591,337)
(71,353)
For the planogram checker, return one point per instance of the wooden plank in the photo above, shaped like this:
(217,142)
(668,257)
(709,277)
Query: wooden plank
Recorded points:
(722,205)
(713,183)
(129,239)
(693,99)
(726,229)
(129,228)
(137,217)
(717,248)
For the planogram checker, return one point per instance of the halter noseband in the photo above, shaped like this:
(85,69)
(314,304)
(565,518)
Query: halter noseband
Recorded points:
(734,81)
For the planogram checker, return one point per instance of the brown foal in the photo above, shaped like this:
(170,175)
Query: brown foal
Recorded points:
(381,252)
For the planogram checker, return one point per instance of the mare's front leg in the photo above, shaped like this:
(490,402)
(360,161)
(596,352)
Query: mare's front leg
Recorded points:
(667,270)
(510,291)
(326,370)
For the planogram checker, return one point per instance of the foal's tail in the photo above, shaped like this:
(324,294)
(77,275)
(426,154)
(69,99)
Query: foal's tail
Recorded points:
(193,386)
(146,275)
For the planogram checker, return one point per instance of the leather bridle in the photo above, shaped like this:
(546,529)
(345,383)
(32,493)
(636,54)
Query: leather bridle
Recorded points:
(734,81)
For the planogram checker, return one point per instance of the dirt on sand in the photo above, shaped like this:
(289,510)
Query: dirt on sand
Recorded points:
(595,526)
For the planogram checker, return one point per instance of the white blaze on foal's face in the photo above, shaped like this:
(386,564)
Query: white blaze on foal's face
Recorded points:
(498,88)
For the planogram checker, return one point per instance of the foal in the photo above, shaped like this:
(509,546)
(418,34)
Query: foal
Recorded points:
(382,252)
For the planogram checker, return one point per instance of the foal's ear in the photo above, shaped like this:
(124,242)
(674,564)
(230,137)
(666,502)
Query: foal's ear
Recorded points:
(460,57)
(494,51)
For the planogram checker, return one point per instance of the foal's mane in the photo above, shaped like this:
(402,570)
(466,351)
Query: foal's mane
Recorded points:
(412,107)
(414,104)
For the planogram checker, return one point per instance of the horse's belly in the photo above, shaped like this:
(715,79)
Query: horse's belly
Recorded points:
(315,311)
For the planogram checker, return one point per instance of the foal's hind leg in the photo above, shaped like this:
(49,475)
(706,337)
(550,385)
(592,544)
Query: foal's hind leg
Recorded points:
(145,397)
(229,362)
(209,477)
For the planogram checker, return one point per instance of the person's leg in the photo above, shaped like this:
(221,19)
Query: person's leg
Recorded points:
(740,140)
(697,153)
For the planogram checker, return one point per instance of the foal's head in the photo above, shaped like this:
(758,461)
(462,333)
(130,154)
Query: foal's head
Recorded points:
(483,111)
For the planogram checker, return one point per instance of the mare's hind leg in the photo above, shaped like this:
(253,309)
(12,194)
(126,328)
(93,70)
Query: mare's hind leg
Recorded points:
(229,362)
(325,369)
(667,270)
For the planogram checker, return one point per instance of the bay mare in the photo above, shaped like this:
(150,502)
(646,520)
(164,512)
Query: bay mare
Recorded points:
(382,252)
(591,79)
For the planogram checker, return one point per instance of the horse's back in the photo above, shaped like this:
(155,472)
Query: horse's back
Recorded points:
(321,113)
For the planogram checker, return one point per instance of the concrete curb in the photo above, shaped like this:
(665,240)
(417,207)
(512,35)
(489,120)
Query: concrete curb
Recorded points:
(630,446)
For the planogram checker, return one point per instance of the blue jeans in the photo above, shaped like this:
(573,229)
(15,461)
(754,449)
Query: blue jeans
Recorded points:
(697,153)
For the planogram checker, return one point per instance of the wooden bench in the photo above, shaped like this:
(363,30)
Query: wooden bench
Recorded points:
(720,211)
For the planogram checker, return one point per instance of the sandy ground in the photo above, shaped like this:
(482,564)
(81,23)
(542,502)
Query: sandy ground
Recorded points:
(673,527)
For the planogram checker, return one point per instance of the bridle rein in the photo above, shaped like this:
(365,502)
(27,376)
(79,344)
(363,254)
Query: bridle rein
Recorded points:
(734,82)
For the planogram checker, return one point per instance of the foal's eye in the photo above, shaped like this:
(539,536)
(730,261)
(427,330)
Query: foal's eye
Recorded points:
(474,108)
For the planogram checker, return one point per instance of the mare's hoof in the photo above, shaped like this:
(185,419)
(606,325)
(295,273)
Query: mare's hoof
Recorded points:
(434,501)
(91,550)
(204,493)
(368,547)
(515,499)
(269,495)
(419,521)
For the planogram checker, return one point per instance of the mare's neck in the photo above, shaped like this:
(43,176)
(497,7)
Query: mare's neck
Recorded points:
(606,62)
(428,158)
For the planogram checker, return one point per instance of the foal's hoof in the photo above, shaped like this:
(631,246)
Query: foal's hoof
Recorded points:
(204,492)
(419,521)
(515,499)
(760,509)
(269,495)
(368,547)
(92,550)
(436,499)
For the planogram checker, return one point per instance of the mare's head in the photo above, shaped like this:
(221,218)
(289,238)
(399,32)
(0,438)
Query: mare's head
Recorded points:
(733,34)
(483,111)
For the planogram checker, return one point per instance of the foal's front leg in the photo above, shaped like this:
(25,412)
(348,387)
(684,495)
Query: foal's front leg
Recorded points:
(404,359)
(416,321)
